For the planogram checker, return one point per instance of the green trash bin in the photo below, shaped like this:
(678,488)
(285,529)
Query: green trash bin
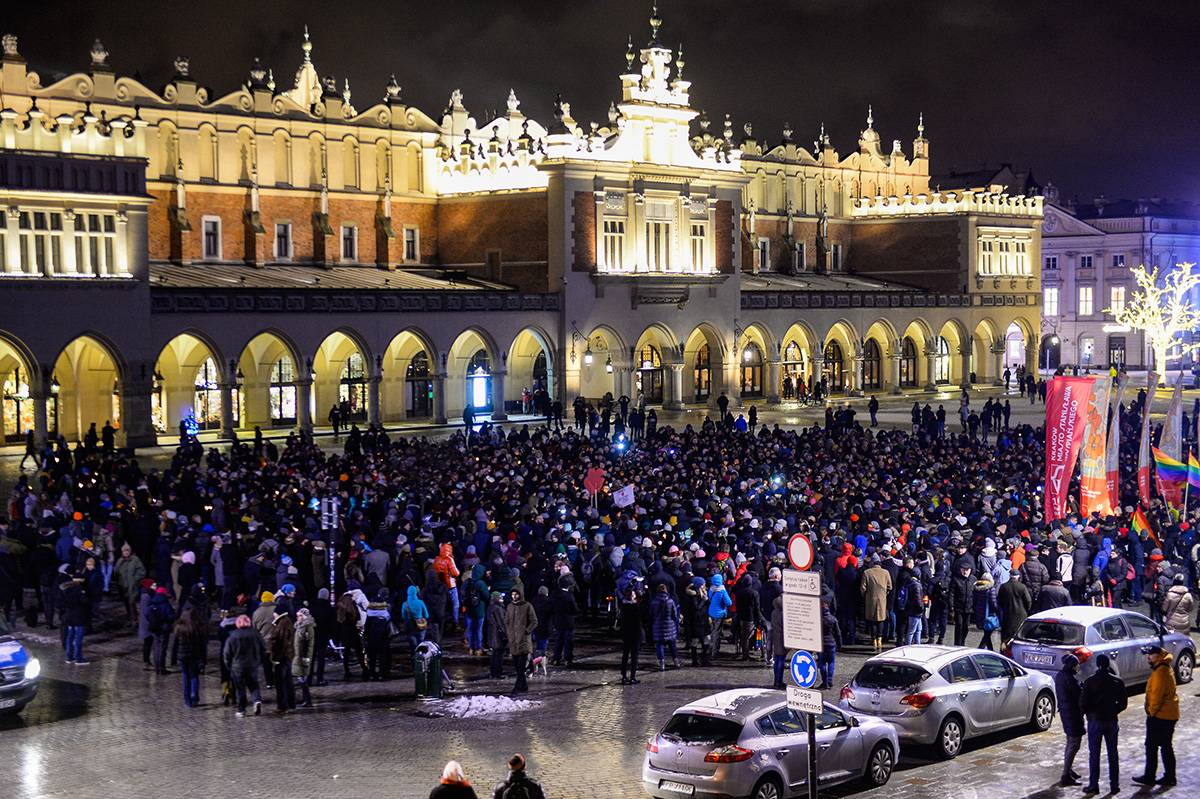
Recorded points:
(427,670)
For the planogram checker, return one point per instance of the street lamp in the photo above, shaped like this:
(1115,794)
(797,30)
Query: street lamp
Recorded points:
(1051,342)
(587,355)
(608,367)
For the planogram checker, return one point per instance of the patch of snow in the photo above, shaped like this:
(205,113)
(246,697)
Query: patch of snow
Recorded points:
(465,707)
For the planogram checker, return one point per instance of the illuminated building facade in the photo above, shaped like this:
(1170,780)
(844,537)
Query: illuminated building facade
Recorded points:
(256,257)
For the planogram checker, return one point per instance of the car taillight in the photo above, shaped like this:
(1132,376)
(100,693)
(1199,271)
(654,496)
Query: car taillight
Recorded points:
(652,745)
(1006,650)
(918,701)
(1083,653)
(847,692)
(728,754)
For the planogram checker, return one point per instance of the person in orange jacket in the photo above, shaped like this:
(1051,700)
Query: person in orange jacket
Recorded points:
(1162,713)
(444,565)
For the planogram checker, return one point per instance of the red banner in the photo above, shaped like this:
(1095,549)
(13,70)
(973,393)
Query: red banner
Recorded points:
(1093,483)
(1143,468)
(1066,402)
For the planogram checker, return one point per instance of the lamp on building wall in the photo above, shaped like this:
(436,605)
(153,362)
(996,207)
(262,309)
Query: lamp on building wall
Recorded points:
(587,355)
(608,367)
(54,385)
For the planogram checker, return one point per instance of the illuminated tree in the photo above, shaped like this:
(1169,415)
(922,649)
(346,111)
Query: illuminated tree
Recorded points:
(1163,310)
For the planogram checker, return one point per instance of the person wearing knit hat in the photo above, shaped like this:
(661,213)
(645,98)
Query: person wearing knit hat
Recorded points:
(518,783)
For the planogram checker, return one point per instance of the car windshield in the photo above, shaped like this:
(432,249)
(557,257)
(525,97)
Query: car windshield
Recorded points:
(693,728)
(1055,633)
(890,676)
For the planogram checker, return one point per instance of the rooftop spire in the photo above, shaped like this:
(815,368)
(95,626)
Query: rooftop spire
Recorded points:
(307,47)
(655,23)
(870,118)
(921,125)
(630,55)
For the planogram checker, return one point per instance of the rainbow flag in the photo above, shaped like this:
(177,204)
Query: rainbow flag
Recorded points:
(1142,525)
(1169,470)
(1193,471)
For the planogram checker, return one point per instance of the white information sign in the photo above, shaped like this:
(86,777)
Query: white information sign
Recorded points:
(805,700)
(802,622)
(798,582)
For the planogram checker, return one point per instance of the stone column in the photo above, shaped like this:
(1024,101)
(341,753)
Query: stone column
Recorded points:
(41,426)
(1032,348)
(895,358)
(304,421)
(772,386)
(374,413)
(818,369)
(227,430)
(623,382)
(857,389)
(673,390)
(964,352)
(930,355)
(137,429)
(997,350)
(439,398)
(498,414)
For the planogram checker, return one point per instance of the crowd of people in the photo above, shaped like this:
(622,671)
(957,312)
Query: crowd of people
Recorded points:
(490,537)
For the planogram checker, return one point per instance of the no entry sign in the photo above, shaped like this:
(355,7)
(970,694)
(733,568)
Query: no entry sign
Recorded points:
(800,552)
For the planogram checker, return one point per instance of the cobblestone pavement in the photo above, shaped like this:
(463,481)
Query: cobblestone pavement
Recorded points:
(113,729)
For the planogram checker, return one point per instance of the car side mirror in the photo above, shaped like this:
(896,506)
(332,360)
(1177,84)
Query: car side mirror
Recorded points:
(854,722)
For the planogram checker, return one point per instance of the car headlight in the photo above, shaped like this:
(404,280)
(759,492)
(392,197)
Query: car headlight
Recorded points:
(33,668)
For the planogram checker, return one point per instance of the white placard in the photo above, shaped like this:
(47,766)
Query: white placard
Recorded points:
(798,582)
(802,622)
(805,700)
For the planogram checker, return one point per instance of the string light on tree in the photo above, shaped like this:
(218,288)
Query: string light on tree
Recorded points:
(1163,310)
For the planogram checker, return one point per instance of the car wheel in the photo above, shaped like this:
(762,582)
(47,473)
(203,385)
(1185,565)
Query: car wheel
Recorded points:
(1185,664)
(768,788)
(950,737)
(1043,712)
(880,765)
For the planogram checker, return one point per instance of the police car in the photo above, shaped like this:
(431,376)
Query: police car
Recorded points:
(19,673)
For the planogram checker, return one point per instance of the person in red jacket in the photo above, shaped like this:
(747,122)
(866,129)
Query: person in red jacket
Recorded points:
(444,565)
(847,557)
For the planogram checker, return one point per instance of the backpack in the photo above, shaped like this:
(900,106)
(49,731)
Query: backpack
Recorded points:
(517,789)
(469,592)
(587,568)
(155,618)
(902,597)
(347,610)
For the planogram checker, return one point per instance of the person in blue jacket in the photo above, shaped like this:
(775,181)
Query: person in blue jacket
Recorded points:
(718,611)
(415,616)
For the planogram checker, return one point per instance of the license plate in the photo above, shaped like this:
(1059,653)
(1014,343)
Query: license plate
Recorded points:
(7,703)
(1037,659)
(677,787)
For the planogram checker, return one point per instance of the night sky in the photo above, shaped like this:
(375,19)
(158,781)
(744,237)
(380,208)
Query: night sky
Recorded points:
(1096,97)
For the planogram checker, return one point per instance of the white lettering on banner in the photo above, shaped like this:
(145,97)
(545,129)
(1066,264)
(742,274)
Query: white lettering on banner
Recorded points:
(802,622)
(798,582)
(805,700)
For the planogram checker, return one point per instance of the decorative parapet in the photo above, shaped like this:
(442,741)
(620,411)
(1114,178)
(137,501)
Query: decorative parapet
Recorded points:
(185,300)
(969,201)
(834,300)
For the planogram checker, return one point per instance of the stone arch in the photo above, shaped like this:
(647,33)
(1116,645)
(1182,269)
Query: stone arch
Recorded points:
(796,353)
(342,367)
(880,343)
(167,151)
(704,364)
(188,375)
(86,384)
(318,166)
(952,353)
(656,348)
(268,371)
(281,150)
(410,366)
(20,385)
(207,160)
(532,365)
(351,163)
(838,350)
(609,363)
(474,365)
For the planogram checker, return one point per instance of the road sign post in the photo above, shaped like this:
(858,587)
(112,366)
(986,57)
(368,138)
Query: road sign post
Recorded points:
(802,631)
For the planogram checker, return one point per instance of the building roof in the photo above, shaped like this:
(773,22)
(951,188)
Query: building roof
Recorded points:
(772,281)
(1014,182)
(1103,207)
(238,276)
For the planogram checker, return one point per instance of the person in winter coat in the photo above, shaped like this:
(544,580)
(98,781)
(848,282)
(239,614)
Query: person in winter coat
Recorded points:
(437,600)
(1034,574)
(778,649)
(695,618)
(415,616)
(1067,691)
(160,619)
(962,603)
(244,655)
(1102,700)
(519,623)
(1094,593)
(912,607)
(1053,595)
(453,784)
(129,572)
(281,645)
(629,626)
(377,635)
(1162,714)
(325,629)
(446,569)
(475,607)
(497,634)
(563,610)
(664,626)
(831,639)
(191,636)
(1015,602)
(1177,606)
(518,785)
(719,604)
(986,610)
(1116,577)
(305,647)
(541,633)
(748,613)
(876,586)
(74,602)
(146,596)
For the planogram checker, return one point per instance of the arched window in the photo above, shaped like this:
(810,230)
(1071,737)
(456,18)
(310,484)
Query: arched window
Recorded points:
(793,370)
(479,381)
(541,373)
(420,387)
(208,396)
(352,390)
(908,363)
(835,375)
(702,374)
(941,361)
(1087,350)
(18,408)
(283,392)
(752,371)
(872,366)
(649,374)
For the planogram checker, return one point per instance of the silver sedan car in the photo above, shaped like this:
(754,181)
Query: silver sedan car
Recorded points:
(1087,631)
(747,742)
(942,695)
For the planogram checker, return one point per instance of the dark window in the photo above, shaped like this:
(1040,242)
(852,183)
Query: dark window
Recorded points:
(872,366)
(889,676)
(993,667)
(961,670)
(783,721)
(694,728)
(1051,632)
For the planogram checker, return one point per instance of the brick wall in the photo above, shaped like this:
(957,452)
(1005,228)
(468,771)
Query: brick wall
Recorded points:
(583,232)
(469,229)
(917,252)
(723,236)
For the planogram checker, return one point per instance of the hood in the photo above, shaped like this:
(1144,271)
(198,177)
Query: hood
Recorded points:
(1164,659)
(718,581)
(847,548)
(412,593)
(478,571)
(446,551)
